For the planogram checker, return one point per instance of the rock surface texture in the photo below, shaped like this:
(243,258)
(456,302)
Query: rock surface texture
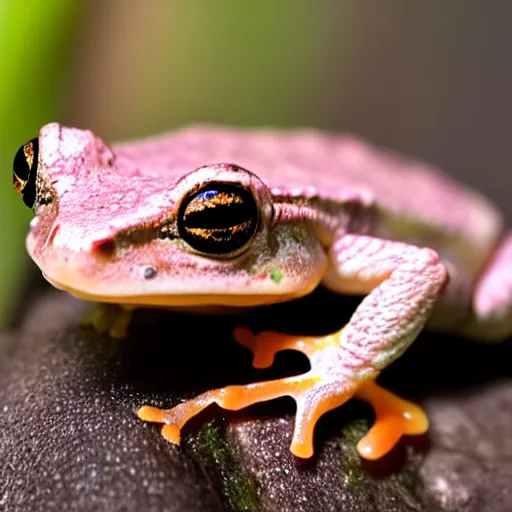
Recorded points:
(70,439)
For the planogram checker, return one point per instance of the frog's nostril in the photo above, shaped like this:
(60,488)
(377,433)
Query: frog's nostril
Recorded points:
(53,234)
(149,273)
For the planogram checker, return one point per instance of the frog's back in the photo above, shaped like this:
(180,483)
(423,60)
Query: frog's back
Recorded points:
(413,201)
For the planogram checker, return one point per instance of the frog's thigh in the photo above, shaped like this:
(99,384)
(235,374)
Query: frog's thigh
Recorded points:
(491,313)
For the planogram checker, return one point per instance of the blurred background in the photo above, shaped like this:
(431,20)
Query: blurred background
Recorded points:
(430,79)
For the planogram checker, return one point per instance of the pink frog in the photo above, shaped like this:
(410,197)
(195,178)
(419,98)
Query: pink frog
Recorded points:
(219,217)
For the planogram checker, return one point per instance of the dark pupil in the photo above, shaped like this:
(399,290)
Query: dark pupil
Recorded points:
(25,171)
(219,219)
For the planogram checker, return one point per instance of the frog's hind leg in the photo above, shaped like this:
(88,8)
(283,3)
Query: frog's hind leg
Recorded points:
(111,319)
(491,313)
(314,393)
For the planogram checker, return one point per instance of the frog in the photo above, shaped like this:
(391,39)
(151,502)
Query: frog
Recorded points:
(211,216)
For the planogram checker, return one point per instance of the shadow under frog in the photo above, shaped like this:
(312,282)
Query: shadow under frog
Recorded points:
(170,356)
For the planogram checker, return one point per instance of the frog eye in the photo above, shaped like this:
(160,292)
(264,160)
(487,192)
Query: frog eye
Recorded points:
(220,218)
(25,171)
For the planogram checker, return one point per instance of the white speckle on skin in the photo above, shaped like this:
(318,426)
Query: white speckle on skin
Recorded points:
(63,184)
(34,222)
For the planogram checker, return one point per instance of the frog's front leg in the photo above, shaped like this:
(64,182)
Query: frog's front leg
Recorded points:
(403,283)
(113,319)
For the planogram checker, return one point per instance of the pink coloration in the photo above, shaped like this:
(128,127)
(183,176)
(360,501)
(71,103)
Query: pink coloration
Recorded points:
(495,286)
(342,167)
(492,304)
(94,201)
(331,209)
(403,282)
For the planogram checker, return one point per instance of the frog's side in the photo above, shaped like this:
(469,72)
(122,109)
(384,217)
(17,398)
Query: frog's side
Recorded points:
(110,226)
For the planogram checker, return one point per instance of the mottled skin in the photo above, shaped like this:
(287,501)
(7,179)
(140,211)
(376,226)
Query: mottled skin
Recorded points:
(333,211)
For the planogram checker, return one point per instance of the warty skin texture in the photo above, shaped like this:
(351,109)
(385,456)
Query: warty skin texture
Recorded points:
(332,210)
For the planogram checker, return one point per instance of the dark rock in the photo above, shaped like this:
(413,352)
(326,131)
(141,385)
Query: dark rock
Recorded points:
(69,437)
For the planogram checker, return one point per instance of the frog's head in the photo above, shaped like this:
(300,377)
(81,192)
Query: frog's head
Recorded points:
(106,229)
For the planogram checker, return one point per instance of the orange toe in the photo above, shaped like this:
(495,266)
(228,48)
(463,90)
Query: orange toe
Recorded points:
(265,345)
(172,433)
(394,417)
(314,392)
(312,396)
(263,354)
(151,414)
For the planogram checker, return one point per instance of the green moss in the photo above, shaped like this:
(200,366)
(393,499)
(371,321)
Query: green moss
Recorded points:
(237,486)
(212,440)
(354,478)
(353,471)
(276,275)
(354,431)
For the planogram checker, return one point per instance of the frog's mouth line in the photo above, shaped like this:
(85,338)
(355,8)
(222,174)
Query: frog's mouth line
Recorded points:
(237,300)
